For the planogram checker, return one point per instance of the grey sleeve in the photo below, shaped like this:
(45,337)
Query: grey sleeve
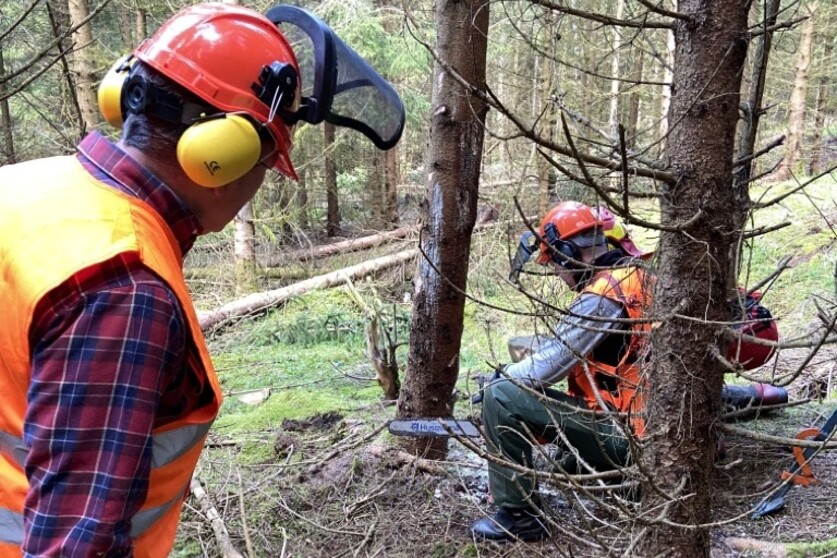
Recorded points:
(576,335)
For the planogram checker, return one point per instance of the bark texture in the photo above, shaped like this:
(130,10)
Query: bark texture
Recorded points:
(245,250)
(796,116)
(455,154)
(85,80)
(330,173)
(685,380)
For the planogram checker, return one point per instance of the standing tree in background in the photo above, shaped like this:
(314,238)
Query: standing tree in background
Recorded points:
(330,178)
(453,172)
(799,94)
(82,64)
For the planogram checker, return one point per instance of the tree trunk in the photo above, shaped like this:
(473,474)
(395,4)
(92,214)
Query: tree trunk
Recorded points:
(302,199)
(245,250)
(391,187)
(9,156)
(747,133)
(142,22)
(455,156)
(613,120)
(685,381)
(823,80)
(82,64)
(796,116)
(665,97)
(330,177)
(633,100)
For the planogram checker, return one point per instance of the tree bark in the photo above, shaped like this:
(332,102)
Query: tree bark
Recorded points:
(141,21)
(9,156)
(330,177)
(748,130)
(245,250)
(685,380)
(82,64)
(823,81)
(796,116)
(634,100)
(455,156)
(665,96)
(391,187)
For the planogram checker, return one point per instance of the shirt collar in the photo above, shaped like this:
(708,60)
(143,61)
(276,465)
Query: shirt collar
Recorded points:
(112,166)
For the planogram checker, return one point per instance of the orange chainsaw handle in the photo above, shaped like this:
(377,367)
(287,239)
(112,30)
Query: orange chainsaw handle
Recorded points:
(805,475)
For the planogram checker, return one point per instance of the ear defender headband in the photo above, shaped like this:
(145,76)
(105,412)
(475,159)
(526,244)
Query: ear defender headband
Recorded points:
(564,252)
(217,148)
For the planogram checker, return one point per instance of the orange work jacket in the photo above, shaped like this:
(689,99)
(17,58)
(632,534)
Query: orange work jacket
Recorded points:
(56,221)
(630,287)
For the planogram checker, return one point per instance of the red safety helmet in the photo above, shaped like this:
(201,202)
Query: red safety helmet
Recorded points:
(218,52)
(756,321)
(565,221)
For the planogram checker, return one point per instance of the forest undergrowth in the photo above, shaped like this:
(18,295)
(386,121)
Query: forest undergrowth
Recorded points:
(300,463)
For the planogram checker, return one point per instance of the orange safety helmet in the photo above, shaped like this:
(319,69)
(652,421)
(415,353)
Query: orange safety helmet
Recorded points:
(219,53)
(563,222)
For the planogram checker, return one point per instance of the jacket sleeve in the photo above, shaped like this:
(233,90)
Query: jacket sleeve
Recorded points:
(580,331)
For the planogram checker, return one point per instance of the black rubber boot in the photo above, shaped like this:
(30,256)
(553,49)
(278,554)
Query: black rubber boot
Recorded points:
(509,524)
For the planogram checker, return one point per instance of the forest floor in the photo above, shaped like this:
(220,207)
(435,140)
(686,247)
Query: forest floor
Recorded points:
(335,485)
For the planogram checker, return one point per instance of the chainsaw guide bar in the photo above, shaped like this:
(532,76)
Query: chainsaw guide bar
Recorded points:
(433,428)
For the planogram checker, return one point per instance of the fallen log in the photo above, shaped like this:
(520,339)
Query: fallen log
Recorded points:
(259,301)
(219,528)
(342,247)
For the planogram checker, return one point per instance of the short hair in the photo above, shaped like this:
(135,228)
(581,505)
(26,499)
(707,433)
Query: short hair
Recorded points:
(152,135)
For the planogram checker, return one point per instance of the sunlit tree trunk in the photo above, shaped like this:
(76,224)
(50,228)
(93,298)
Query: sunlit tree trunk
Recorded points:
(796,115)
(455,155)
(82,64)
(685,381)
(141,21)
(245,250)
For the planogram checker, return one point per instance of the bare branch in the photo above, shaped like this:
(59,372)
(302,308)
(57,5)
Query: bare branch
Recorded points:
(657,9)
(606,20)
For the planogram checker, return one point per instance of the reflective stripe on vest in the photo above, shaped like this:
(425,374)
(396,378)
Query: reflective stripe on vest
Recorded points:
(11,523)
(13,448)
(11,527)
(167,447)
(58,220)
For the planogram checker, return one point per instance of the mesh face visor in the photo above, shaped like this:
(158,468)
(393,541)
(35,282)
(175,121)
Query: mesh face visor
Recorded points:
(525,248)
(338,85)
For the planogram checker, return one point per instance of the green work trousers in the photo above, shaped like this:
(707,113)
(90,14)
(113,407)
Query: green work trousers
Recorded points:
(512,416)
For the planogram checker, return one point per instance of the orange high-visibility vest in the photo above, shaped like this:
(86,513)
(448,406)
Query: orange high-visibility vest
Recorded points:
(56,221)
(628,286)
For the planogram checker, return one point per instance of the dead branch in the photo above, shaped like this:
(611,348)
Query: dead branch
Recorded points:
(222,536)
(640,23)
(259,301)
(343,247)
(766,549)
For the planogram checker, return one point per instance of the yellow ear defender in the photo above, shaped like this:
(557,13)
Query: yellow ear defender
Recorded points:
(110,91)
(219,150)
(213,151)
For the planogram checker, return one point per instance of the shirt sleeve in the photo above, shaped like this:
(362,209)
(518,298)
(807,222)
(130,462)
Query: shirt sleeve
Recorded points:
(100,361)
(580,331)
